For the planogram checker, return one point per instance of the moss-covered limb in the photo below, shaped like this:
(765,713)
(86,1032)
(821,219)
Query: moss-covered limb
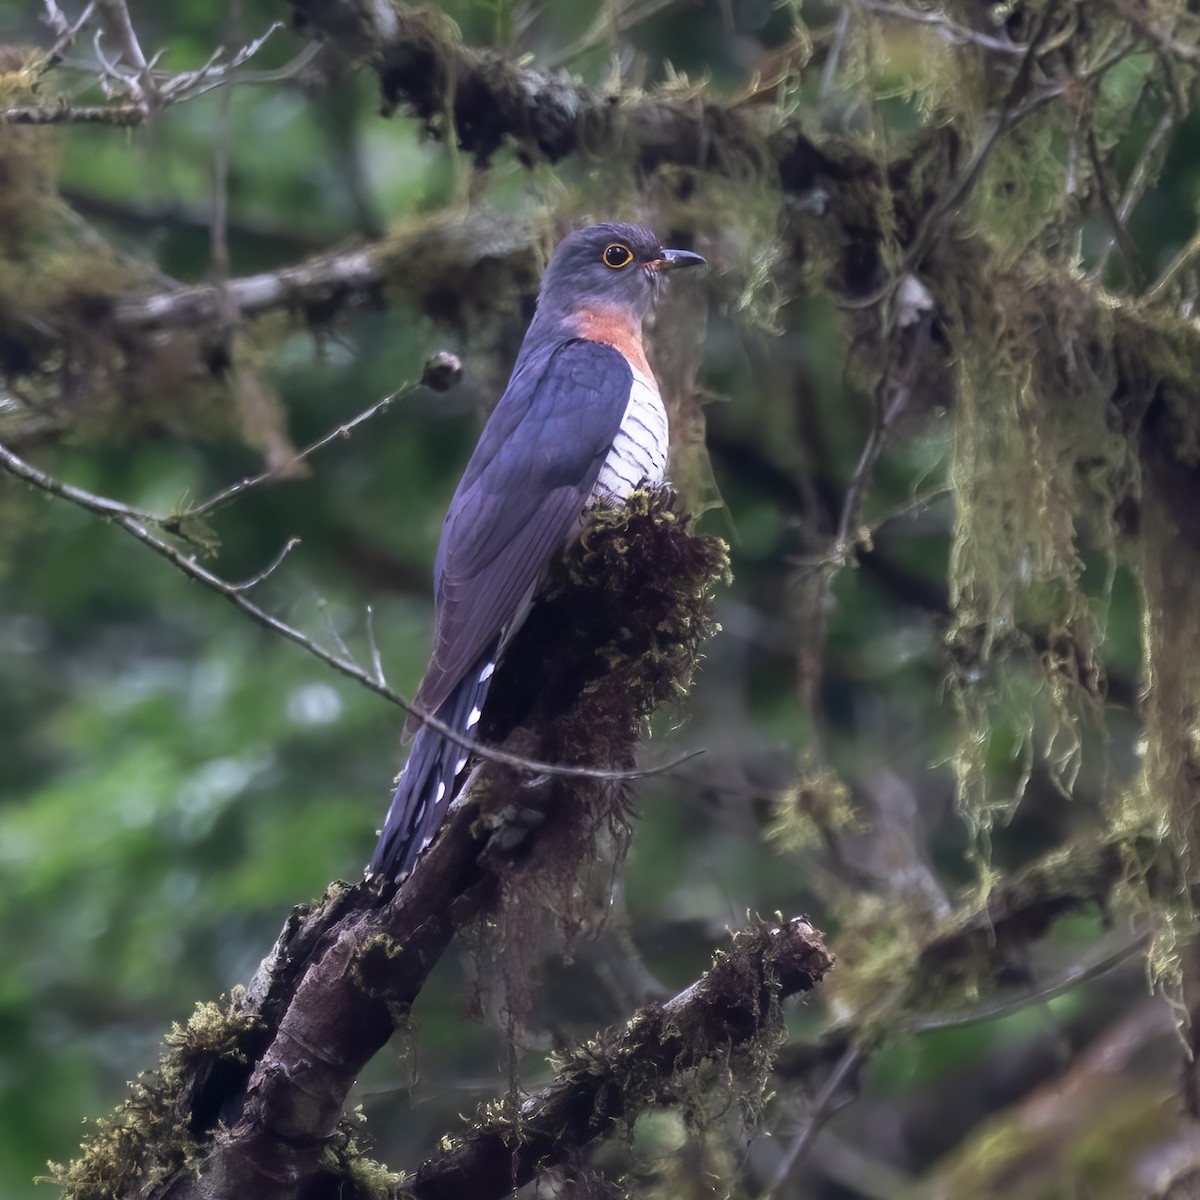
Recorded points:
(977,944)
(909,972)
(170,356)
(423,65)
(434,263)
(618,635)
(67,114)
(626,1069)
(247,1099)
(150,1138)
(860,207)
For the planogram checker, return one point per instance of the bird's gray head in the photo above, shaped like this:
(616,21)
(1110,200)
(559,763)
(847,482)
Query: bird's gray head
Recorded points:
(609,266)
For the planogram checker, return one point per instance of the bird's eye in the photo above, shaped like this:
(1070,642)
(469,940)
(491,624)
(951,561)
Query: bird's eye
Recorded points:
(617,256)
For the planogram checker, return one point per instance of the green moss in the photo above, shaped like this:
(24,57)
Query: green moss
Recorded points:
(814,808)
(618,633)
(358,1176)
(1036,465)
(151,1135)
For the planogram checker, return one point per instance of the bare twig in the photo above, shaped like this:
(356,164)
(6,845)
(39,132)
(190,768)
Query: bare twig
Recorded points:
(911,508)
(951,31)
(1189,251)
(114,18)
(174,89)
(934,221)
(59,25)
(1072,977)
(149,88)
(338,641)
(65,32)
(270,570)
(834,57)
(1135,187)
(376,658)
(886,410)
(624,21)
(856,1040)
(135,522)
(1118,234)
(243,486)
(828,1101)
(219,224)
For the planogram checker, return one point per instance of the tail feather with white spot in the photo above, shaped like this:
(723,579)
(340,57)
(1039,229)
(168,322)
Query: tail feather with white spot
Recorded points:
(426,785)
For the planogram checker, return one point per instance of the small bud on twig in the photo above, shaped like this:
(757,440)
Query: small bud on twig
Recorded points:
(442,371)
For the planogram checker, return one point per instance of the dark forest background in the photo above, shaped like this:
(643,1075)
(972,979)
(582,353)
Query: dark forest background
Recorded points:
(944,363)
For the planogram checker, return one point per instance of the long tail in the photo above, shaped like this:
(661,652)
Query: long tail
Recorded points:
(427,784)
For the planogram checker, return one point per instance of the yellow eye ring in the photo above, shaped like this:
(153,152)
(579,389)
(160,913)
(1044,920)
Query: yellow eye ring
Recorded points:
(617,255)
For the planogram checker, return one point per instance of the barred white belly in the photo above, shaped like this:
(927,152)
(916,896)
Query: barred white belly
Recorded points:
(639,451)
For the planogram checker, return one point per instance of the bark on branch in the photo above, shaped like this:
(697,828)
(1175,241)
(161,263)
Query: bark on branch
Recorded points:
(632,1066)
(433,263)
(481,97)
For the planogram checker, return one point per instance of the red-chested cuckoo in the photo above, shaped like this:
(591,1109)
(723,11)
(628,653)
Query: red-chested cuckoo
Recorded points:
(580,423)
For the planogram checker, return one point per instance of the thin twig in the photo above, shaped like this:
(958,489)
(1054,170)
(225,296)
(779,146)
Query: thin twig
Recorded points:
(935,220)
(1072,977)
(1118,234)
(135,524)
(214,73)
(911,507)
(834,58)
(828,1101)
(219,225)
(59,24)
(951,31)
(253,582)
(856,1053)
(1139,180)
(323,605)
(65,32)
(884,417)
(240,488)
(289,70)
(605,26)
(143,81)
(114,17)
(376,657)
(1181,260)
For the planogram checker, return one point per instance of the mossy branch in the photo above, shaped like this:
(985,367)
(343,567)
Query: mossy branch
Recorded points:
(426,261)
(618,635)
(483,97)
(627,1068)
(74,114)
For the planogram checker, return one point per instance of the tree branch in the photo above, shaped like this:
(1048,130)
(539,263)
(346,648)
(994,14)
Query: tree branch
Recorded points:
(135,522)
(634,1065)
(339,979)
(423,259)
(484,96)
(70,114)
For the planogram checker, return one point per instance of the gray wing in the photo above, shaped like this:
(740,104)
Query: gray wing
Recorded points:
(523,491)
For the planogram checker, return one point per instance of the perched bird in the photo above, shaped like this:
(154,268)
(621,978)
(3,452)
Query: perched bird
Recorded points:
(581,422)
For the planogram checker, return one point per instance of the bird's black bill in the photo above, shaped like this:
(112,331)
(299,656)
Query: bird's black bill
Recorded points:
(670,260)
